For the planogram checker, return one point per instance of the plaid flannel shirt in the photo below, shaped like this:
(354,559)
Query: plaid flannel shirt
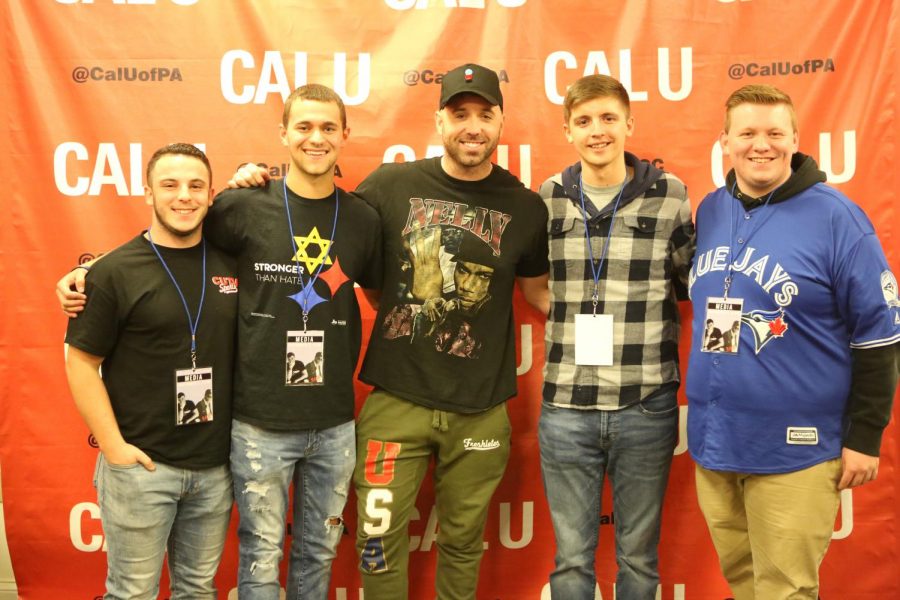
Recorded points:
(651,247)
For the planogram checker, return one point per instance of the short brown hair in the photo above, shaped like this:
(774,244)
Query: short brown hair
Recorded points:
(758,94)
(318,93)
(595,86)
(178,148)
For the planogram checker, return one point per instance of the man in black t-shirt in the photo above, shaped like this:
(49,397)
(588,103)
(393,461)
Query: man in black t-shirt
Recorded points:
(144,307)
(300,244)
(463,231)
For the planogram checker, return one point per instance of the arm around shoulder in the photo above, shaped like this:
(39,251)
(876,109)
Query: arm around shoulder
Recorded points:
(70,289)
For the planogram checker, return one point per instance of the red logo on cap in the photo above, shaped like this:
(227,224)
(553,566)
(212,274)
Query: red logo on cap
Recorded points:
(468,74)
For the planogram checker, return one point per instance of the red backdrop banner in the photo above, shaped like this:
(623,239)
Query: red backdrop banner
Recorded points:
(91,87)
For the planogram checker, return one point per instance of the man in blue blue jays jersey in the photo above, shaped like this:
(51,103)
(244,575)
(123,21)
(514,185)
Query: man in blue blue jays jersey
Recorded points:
(792,410)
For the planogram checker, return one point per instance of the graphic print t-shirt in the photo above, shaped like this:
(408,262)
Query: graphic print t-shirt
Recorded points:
(444,336)
(252,224)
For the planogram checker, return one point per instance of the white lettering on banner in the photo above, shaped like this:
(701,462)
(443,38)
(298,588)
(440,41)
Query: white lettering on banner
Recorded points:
(407,154)
(597,62)
(527,526)
(846,516)
(131,2)
(423,4)
(682,445)
(524,161)
(107,169)
(402,151)
(527,345)
(677,592)
(425,542)
(96,542)
(717,160)
(272,76)
(825,162)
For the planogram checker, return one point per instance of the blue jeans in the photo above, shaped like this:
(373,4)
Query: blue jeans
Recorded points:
(146,513)
(634,447)
(263,463)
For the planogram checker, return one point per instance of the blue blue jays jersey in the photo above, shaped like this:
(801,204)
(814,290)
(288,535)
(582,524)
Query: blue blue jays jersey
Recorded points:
(814,283)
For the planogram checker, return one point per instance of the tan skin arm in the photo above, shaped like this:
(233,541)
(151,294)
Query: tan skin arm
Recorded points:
(857,469)
(92,401)
(248,175)
(70,290)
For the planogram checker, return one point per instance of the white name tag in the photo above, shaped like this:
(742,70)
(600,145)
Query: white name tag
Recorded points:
(193,396)
(594,340)
(722,327)
(304,361)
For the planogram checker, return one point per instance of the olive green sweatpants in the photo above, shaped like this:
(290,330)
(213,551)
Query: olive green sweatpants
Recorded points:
(396,440)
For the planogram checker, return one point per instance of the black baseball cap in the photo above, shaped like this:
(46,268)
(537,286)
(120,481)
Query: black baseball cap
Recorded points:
(471,79)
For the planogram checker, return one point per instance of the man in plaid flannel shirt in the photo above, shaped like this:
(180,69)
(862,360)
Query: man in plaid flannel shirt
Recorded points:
(613,414)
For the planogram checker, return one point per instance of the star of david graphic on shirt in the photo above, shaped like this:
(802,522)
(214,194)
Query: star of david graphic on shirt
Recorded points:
(313,239)
(334,277)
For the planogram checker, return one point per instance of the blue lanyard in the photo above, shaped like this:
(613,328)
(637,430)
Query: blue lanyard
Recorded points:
(191,322)
(306,288)
(597,267)
(732,256)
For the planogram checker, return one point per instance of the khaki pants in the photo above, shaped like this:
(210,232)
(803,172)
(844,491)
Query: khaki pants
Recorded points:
(771,531)
(396,440)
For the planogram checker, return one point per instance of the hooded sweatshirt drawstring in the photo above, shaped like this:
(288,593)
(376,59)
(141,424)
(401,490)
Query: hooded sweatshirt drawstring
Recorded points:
(439,420)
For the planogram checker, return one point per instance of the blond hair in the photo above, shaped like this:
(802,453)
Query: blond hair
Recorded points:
(758,94)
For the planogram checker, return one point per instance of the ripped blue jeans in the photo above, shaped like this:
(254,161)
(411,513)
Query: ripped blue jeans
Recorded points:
(263,464)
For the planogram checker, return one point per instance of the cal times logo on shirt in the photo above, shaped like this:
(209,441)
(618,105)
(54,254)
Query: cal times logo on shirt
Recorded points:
(227,285)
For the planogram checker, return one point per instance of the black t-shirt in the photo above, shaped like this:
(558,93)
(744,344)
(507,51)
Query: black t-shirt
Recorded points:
(135,319)
(252,224)
(447,340)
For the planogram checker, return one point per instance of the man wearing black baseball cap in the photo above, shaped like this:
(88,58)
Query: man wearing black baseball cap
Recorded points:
(472,79)
(442,401)
(436,401)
